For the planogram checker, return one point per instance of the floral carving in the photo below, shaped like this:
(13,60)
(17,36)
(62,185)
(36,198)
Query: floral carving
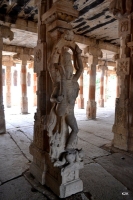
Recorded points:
(123,66)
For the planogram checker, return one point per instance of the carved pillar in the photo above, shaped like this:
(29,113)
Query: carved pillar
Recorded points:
(56,161)
(93,54)
(106,85)
(4,33)
(123,125)
(80,97)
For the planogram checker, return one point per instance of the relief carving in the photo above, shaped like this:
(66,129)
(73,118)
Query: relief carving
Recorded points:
(123,66)
(38,55)
(65,92)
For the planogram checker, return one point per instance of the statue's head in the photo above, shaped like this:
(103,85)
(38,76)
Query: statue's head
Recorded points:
(67,65)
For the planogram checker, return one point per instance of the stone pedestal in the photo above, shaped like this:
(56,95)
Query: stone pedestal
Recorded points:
(56,160)
(93,54)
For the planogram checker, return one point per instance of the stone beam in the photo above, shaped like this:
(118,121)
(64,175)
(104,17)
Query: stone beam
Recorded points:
(17,49)
(22,25)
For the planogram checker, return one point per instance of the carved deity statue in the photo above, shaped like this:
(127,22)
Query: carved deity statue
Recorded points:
(63,97)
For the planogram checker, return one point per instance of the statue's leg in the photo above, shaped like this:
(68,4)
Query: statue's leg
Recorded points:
(71,121)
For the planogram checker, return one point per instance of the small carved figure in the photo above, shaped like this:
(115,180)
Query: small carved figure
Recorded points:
(65,92)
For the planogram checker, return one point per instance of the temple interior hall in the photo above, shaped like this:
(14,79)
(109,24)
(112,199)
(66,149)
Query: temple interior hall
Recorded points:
(66,99)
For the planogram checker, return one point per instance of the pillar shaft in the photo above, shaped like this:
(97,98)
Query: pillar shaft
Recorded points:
(34,89)
(93,54)
(101,99)
(2,115)
(117,86)
(24,99)
(80,97)
(8,86)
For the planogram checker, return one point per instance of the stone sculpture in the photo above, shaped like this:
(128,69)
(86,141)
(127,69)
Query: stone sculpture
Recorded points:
(65,92)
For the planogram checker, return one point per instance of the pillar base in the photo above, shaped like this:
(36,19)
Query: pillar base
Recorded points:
(91,109)
(24,105)
(101,103)
(64,181)
(2,120)
(8,100)
(80,103)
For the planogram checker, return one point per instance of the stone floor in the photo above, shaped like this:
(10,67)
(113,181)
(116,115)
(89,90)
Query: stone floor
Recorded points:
(108,172)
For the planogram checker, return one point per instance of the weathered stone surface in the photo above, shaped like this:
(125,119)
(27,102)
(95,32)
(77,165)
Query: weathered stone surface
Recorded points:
(120,166)
(101,185)
(19,189)
(90,150)
(92,138)
(22,141)
(12,163)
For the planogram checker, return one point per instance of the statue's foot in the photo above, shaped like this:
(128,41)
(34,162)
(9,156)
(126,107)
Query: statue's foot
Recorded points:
(71,141)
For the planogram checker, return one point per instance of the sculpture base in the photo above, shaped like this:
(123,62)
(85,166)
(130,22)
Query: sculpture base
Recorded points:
(63,181)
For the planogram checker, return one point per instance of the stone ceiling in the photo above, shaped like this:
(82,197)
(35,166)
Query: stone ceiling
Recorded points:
(94,21)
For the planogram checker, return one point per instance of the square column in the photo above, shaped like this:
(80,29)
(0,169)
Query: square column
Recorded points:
(4,33)
(56,160)
(93,55)
(123,124)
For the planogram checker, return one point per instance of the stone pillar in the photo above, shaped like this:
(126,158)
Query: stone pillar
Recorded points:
(101,99)
(117,86)
(8,86)
(4,33)
(24,98)
(8,62)
(80,97)
(34,89)
(24,57)
(53,146)
(106,86)
(93,54)
(123,125)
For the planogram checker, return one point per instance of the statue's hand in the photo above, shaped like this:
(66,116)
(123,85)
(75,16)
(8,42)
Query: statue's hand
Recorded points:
(78,50)
(60,98)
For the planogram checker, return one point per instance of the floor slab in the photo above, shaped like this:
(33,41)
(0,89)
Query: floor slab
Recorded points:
(19,189)
(101,185)
(12,161)
(120,166)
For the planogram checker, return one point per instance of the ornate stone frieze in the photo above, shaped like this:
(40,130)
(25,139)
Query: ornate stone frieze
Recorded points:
(61,10)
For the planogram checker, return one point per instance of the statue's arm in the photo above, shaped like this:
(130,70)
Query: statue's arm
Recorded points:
(79,67)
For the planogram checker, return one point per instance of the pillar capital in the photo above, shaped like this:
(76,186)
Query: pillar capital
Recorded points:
(5,32)
(93,51)
(121,9)
(22,57)
(7,61)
